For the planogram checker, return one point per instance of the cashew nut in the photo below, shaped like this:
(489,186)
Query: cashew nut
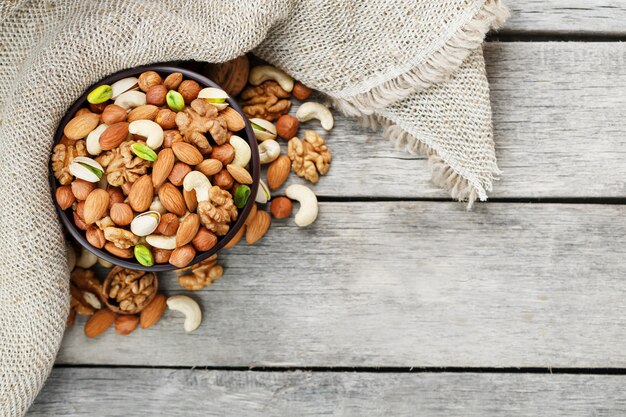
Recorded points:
(312,110)
(242,151)
(267,72)
(269,150)
(263,195)
(131,99)
(86,259)
(150,130)
(93,140)
(308,203)
(199,182)
(263,129)
(189,308)
(123,85)
(162,242)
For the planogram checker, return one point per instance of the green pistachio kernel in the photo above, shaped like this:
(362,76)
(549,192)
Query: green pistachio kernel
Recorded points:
(144,152)
(175,100)
(95,170)
(143,255)
(242,193)
(100,94)
(215,100)
(257,127)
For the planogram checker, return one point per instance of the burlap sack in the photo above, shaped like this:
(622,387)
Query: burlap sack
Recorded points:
(376,59)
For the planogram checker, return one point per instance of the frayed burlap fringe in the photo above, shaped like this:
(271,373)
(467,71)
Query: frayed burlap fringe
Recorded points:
(439,66)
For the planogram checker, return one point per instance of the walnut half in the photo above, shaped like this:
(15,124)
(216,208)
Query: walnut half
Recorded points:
(266,101)
(218,211)
(62,155)
(309,158)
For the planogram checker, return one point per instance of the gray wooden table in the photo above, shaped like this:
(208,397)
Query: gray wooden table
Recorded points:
(397,301)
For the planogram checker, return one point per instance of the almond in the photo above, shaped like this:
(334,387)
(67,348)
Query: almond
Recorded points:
(121,214)
(172,199)
(152,313)
(145,112)
(177,176)
(162,167)
(141,193)
(114,135)
(258,227)
(240,174)
(278,172)
(126,324)
(96,206)
(95,236)
(187,153)
(234,120)
(120,253)
(235,238)
(82,188)
(187,230)
(65,197)
(251,215)
(204,239)
(81,125)
(209,167)
(181,257)
(99,322)
(168,226)
(113,114)
(224,153)
(190,200)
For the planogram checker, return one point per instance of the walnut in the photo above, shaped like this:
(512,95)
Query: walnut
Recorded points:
(267,101)
(105,222)
(122,165)
(218,212)
(62,155)
(128,290)
(202,274)
(85,291)
(121,238)
(309,158)
(201,117)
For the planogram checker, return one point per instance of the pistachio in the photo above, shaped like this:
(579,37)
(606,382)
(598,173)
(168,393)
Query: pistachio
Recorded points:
(86,169)
(123,85)
(145,223)
(143,151)
(215,96)
(144,255)
(263,194)
(263,129)
(100,94)
(242,194)
(175,100)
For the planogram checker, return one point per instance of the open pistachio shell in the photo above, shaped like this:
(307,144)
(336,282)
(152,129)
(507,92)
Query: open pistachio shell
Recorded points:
(263,194)
(145,223)
(214,96)
(86,169)
(263,129)
(123,85)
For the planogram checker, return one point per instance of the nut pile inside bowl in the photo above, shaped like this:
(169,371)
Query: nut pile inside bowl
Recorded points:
(153,168)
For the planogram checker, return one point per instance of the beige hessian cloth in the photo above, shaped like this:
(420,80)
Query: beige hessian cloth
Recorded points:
(413,66)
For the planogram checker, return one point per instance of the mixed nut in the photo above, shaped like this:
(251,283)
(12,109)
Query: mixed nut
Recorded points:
(153,169)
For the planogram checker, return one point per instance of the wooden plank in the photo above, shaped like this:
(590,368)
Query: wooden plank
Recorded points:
(163,392)
(404,284)
(558,113)
(601,17)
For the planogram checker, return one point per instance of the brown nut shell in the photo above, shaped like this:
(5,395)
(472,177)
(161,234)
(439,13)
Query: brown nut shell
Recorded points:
(113,114)
(168,226)
(301,91)
(95,236)
(178,173)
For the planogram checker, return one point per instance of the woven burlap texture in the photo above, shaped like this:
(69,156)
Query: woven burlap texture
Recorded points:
(375,59)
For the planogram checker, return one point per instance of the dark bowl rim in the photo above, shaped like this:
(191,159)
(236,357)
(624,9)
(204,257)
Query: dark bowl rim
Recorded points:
(254,165)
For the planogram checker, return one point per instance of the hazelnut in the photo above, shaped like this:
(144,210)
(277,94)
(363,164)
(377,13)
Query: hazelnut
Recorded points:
(223,179)
(281,207)
(125,324)
(98,108)
(121,214)
(95,236)
(113,114)
(224,153)
(161,256)
(166,119)
(82,111)
(182,256)
(173,80)
(301,91)
(79,222)
(189,89)
(115,196)
(168,226)
(287,126)
(148,79)
(204,239)
(82,188)
(170,137)
(65,197)
(178,173)
(80,209)
(156,95)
